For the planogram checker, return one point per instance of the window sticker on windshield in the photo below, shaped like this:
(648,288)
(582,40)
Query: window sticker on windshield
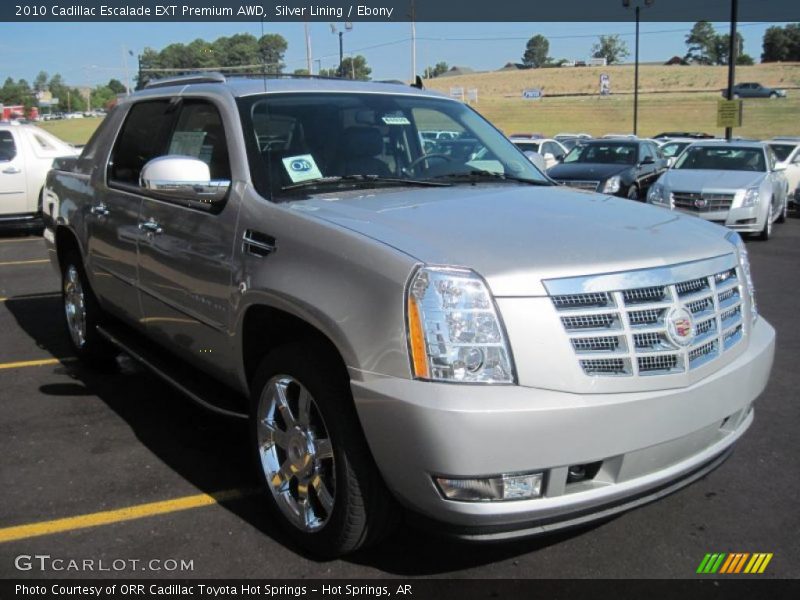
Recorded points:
(301,168)
(396,121)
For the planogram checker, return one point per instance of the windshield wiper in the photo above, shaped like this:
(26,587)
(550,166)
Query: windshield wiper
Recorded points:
(477,175)
(361,179)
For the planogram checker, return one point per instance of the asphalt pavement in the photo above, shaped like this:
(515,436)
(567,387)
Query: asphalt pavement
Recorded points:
(121,470)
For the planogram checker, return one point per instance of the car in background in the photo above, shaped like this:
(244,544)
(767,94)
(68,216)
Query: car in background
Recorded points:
(624,168)
(737,184)
(26,155)
(672,148)
(787,151)
(570,140)
(754,90)
(552,151)
(693,135)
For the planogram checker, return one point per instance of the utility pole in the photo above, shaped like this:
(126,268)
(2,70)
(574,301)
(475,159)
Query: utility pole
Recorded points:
(127,72)
(637,10)
(732,59)
(413,42)
(308,51)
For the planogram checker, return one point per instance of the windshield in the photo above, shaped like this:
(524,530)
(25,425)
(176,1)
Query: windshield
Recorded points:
(608,153)
(722,158)
(527,146)
(315,141)
(673,148)
(782,151)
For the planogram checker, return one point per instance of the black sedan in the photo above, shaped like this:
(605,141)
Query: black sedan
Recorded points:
(624,168)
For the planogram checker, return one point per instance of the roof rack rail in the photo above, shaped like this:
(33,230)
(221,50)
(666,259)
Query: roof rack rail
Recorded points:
(212,77)
(269,75)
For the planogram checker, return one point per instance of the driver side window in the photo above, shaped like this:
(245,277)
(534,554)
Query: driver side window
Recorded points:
(8,150)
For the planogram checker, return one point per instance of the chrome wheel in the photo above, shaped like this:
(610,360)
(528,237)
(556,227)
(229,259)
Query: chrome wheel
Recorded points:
(75,306)
(296,453)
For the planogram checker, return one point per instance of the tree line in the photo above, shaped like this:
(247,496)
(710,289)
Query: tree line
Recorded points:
(70,98)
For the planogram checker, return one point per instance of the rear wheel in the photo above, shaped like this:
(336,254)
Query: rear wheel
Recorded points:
(320,479)
(82,314)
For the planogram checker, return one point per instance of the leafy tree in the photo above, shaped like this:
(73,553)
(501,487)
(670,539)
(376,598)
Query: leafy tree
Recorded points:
(722,47)
(436,70)
(536,51)
(781,43)
(40,83)
(116,86)
(702,43)
(103,97)
(272,47)
(610,47)
(354,68)
(744,60)
(301,71)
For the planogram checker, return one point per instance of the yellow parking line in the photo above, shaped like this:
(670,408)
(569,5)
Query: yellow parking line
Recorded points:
(35,363)
(14,241)
(30,296)
(24,262)
(107,517)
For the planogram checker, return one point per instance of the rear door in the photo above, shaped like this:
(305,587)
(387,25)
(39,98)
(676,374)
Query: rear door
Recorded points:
(113,222)
(185,260)
(13,186)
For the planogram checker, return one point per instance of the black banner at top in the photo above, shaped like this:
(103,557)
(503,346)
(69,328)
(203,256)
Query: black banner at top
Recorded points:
(393,10)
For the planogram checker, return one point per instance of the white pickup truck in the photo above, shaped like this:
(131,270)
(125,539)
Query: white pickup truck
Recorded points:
(26,155)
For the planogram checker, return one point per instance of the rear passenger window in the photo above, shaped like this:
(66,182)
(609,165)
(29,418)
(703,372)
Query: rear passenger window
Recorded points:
(199,134)
(142,139)
(8,150)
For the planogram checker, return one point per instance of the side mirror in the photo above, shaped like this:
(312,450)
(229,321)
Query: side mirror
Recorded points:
(183,178)
(779,167)
(536,159)
(670,162)
(548,156)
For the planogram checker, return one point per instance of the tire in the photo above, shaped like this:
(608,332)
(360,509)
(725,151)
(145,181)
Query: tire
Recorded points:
(736,96)
(318,475)
(632,193)
(773,95)
(784,212)
(82,315)
(766,233)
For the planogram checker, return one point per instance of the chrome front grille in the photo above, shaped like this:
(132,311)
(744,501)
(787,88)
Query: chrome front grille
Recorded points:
(701,203)
(637,330)
(581,185)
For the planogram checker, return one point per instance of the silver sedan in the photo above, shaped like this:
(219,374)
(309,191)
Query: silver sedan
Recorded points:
(737,184)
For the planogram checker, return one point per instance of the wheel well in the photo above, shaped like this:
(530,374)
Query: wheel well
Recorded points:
(65,242)
(266,328)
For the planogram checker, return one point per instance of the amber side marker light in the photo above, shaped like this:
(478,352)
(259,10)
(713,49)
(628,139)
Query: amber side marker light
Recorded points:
(418,354)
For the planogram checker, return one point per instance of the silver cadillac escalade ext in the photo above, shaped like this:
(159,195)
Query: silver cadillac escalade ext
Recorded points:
(440,333)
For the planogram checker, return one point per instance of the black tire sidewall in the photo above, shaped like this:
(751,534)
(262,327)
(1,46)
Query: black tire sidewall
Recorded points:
(310,364)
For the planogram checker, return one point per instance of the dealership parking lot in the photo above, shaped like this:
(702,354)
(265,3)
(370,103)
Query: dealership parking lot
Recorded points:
(120,468)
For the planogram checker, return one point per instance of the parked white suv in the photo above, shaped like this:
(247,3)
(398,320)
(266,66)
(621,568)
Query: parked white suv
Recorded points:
(26,155)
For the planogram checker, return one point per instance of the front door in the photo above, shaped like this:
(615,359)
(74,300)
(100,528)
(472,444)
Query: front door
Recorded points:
(185,254)
(13,188)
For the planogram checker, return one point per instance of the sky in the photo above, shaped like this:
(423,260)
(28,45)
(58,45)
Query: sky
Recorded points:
(92,53)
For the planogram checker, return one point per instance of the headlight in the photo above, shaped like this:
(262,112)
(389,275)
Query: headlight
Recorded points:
(612,185)
(454,331)
(658,194)
(744,262)
(750,197)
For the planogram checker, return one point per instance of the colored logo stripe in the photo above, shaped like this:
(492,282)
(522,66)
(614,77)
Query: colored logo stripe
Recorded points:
(734,563)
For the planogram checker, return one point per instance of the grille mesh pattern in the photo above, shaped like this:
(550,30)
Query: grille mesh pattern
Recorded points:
(699,203)
(641,343)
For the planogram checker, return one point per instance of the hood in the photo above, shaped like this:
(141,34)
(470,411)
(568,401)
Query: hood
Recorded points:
(702,180)
(586,171)
(517,235)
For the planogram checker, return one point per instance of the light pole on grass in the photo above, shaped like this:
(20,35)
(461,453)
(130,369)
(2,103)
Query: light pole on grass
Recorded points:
(637,4)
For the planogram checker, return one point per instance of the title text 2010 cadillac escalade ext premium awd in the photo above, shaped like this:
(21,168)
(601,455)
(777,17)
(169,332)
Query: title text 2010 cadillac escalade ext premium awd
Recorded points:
(449,333)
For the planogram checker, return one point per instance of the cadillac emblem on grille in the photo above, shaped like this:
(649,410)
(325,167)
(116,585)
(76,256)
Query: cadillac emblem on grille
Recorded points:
(680,326)
(700,203)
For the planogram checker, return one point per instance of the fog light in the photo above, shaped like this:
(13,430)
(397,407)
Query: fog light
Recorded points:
(492,489)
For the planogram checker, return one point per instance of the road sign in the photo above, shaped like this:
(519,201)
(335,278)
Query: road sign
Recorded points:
(457,92)
(729,113)
(605,84)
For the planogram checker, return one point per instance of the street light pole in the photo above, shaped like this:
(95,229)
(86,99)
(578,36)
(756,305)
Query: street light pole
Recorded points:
(637,9)
(732,59)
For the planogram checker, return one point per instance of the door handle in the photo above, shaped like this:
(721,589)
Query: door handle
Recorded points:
(12,170)
(150,227)
(100,210)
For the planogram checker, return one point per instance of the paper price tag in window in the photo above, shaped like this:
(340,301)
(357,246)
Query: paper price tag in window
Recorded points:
(301,168)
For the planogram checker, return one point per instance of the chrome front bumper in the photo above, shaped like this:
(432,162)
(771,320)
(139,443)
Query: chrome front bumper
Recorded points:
(649,443)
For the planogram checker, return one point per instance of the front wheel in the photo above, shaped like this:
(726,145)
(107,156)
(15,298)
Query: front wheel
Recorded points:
(632,193)
(320,480)
(83,314)
(766,233)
